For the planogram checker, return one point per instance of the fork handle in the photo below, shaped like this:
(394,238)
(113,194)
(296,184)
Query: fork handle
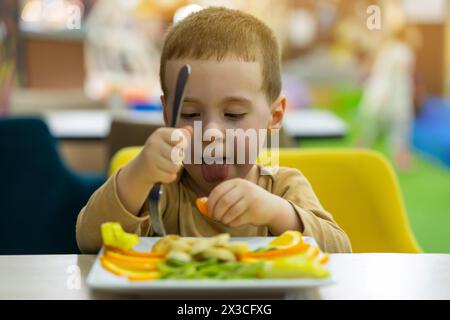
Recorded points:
(182,79)
(153,204)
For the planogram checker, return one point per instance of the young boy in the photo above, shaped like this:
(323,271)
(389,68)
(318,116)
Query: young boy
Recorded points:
(235,84)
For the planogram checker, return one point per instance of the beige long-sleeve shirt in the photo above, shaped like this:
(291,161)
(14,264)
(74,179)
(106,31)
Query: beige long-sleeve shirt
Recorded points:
(181,216)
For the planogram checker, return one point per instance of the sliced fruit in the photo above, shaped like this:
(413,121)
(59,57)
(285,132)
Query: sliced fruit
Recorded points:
(130,273)
(249,260)
(114,235)
(202,205)
(134,253)
(278,253)
(164,245)
(324,258)
(141,265)
(126,258)
(239,248)
(287,239)
(299,266)
(313,252)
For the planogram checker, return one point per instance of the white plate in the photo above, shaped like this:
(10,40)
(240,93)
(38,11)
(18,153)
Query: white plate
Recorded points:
(100,279)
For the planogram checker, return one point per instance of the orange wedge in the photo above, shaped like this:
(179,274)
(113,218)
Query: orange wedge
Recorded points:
(202,205)
(134,253)
(136,262)
(324,258)
(130,273)
(313,252)
(278,253)
(144,266)
(288,239)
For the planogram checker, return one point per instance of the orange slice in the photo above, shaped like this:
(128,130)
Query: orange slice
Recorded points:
(287,239)
(313,252)
(202,205)
(132,261)
(278,253)
(324,258)
(134,253)
(130,273)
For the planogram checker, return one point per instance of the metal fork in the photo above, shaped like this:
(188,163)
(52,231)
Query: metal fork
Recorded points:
(157,190)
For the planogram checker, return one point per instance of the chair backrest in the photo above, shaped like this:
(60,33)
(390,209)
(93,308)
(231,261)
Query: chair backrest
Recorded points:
(124,133)
(122,157)
(358,187)
(39,197)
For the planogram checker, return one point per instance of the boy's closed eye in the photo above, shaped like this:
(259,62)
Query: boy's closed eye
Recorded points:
(235,116)
(190,115)
(232,115)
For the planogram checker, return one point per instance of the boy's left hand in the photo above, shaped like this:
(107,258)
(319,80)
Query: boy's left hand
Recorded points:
(238,201)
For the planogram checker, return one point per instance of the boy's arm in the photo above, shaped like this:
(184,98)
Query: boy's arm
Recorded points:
(104,206)
(123,196)
(292,186)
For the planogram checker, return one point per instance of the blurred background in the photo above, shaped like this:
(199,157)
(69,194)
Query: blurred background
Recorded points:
(356,73)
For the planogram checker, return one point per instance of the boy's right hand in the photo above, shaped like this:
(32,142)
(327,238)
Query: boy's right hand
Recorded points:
(161,158)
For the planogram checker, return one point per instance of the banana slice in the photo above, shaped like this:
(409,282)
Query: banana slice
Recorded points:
(219,254)
(165,244)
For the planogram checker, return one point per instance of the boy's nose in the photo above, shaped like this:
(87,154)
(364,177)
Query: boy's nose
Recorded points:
(214,128)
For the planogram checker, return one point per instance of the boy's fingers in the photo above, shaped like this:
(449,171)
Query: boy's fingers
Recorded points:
(217,193)
(227,200)
(165,133)
(163,149)
(239,221)
(234,212)
(176,155)
(164,152)
(188,130)
(168,178)
(179,136)
(167,165)
(169,152)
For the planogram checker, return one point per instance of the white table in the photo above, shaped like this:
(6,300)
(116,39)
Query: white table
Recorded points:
(358,276)
(95,124)
(92,124)
(313,123)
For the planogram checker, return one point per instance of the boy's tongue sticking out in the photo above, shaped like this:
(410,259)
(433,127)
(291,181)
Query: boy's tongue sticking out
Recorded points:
(215,172)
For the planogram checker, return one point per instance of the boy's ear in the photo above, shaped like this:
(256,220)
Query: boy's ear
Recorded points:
(164,105)
(277,110)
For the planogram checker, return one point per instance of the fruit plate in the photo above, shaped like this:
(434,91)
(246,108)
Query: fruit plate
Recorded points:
(100,279)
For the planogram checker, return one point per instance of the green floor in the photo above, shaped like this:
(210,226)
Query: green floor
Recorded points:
(426,191)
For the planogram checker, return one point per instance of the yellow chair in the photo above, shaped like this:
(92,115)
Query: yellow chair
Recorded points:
(358,187)
(122,157)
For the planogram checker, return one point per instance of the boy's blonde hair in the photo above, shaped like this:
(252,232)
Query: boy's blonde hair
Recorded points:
(218,33)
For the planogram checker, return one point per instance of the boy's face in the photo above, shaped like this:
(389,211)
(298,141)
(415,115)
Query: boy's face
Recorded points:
(222,95)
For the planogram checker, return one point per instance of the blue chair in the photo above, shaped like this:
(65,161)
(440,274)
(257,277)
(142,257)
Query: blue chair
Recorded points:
(39,196)
(431,134)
